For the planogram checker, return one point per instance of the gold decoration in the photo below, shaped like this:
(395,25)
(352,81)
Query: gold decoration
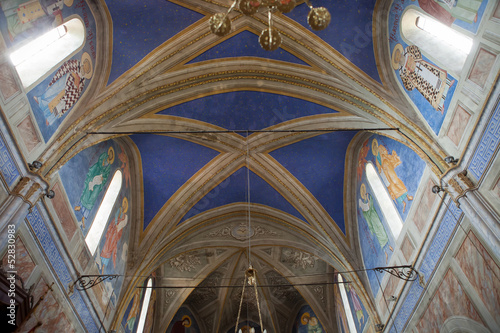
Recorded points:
(319,18)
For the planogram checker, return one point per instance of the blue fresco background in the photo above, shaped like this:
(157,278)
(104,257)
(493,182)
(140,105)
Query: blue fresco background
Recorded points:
(73,182)
(434,118)
(298,327)
(79,9)
(410,171)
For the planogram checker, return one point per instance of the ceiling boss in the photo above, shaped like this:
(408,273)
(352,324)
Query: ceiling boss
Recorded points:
(270,39)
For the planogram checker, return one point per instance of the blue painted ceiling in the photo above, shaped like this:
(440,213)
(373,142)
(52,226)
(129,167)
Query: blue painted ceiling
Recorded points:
(318,163)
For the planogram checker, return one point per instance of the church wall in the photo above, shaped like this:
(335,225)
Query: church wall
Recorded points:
(472,82)
(50,246)
(460,257)
(31,122)
(414,213)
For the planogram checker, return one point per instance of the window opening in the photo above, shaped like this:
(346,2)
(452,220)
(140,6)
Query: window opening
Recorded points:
(444,33)
(39,56)
(384,200)
(347,306)
(145,307)
(446,47)
(101,218)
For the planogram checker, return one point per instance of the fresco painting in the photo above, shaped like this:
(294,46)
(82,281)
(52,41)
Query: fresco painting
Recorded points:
(340,311)
(307,322)
(481,271)
(359,312)
(131,316)
(99,164)
(58,92)
(429,86)
(400,169)
(183,322)
(449,300)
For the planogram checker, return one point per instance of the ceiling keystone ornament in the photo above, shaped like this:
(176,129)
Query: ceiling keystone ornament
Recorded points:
(270,39)
(185,262)
(242,232)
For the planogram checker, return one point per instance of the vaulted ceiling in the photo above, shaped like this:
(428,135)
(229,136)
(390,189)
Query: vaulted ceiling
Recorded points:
(235,148)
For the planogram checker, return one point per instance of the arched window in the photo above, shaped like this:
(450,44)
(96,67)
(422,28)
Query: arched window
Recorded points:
(442,44)
(384,200)
(42,54)
(347,306)
(101,218)
(144,307)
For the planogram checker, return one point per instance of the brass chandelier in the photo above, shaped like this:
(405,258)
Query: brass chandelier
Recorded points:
(270,39)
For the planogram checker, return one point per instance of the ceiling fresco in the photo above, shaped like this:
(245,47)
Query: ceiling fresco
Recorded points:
(238,156)
(138,28)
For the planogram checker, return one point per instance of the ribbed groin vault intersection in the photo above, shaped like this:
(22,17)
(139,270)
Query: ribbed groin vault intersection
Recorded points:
(278,166)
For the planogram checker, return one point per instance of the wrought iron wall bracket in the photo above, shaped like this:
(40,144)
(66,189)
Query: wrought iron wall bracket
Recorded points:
(85,282)
(406,272)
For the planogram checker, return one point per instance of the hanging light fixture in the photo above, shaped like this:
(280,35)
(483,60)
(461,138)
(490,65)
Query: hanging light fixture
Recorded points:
(270,39)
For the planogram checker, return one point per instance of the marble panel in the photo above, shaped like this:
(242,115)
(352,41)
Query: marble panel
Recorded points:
(28,133)
(407,248)
(481,68)
(423,212)
(458,124)
(63,212)
(24,264)
(481,271)
(449,300)
(8,84)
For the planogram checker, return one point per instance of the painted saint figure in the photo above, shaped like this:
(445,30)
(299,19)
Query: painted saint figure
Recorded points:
(313,325)
(371,216)
(65,88)
(113,235)
(446,11)
(28,17)
(180,326)
(134,311)
(358,309)
(386,165)
(431,81)
(95,182)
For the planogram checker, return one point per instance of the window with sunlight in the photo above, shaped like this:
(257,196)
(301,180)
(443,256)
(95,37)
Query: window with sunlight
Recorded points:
(445,46)
(144,307)
(34,59)
(101,218)
(384,200)
(347,307)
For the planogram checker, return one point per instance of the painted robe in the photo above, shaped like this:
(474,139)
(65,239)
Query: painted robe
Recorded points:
(374,224)
(431,81)
(449,10)
(387,164)
(63,91)
(96,179)
(113,236)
